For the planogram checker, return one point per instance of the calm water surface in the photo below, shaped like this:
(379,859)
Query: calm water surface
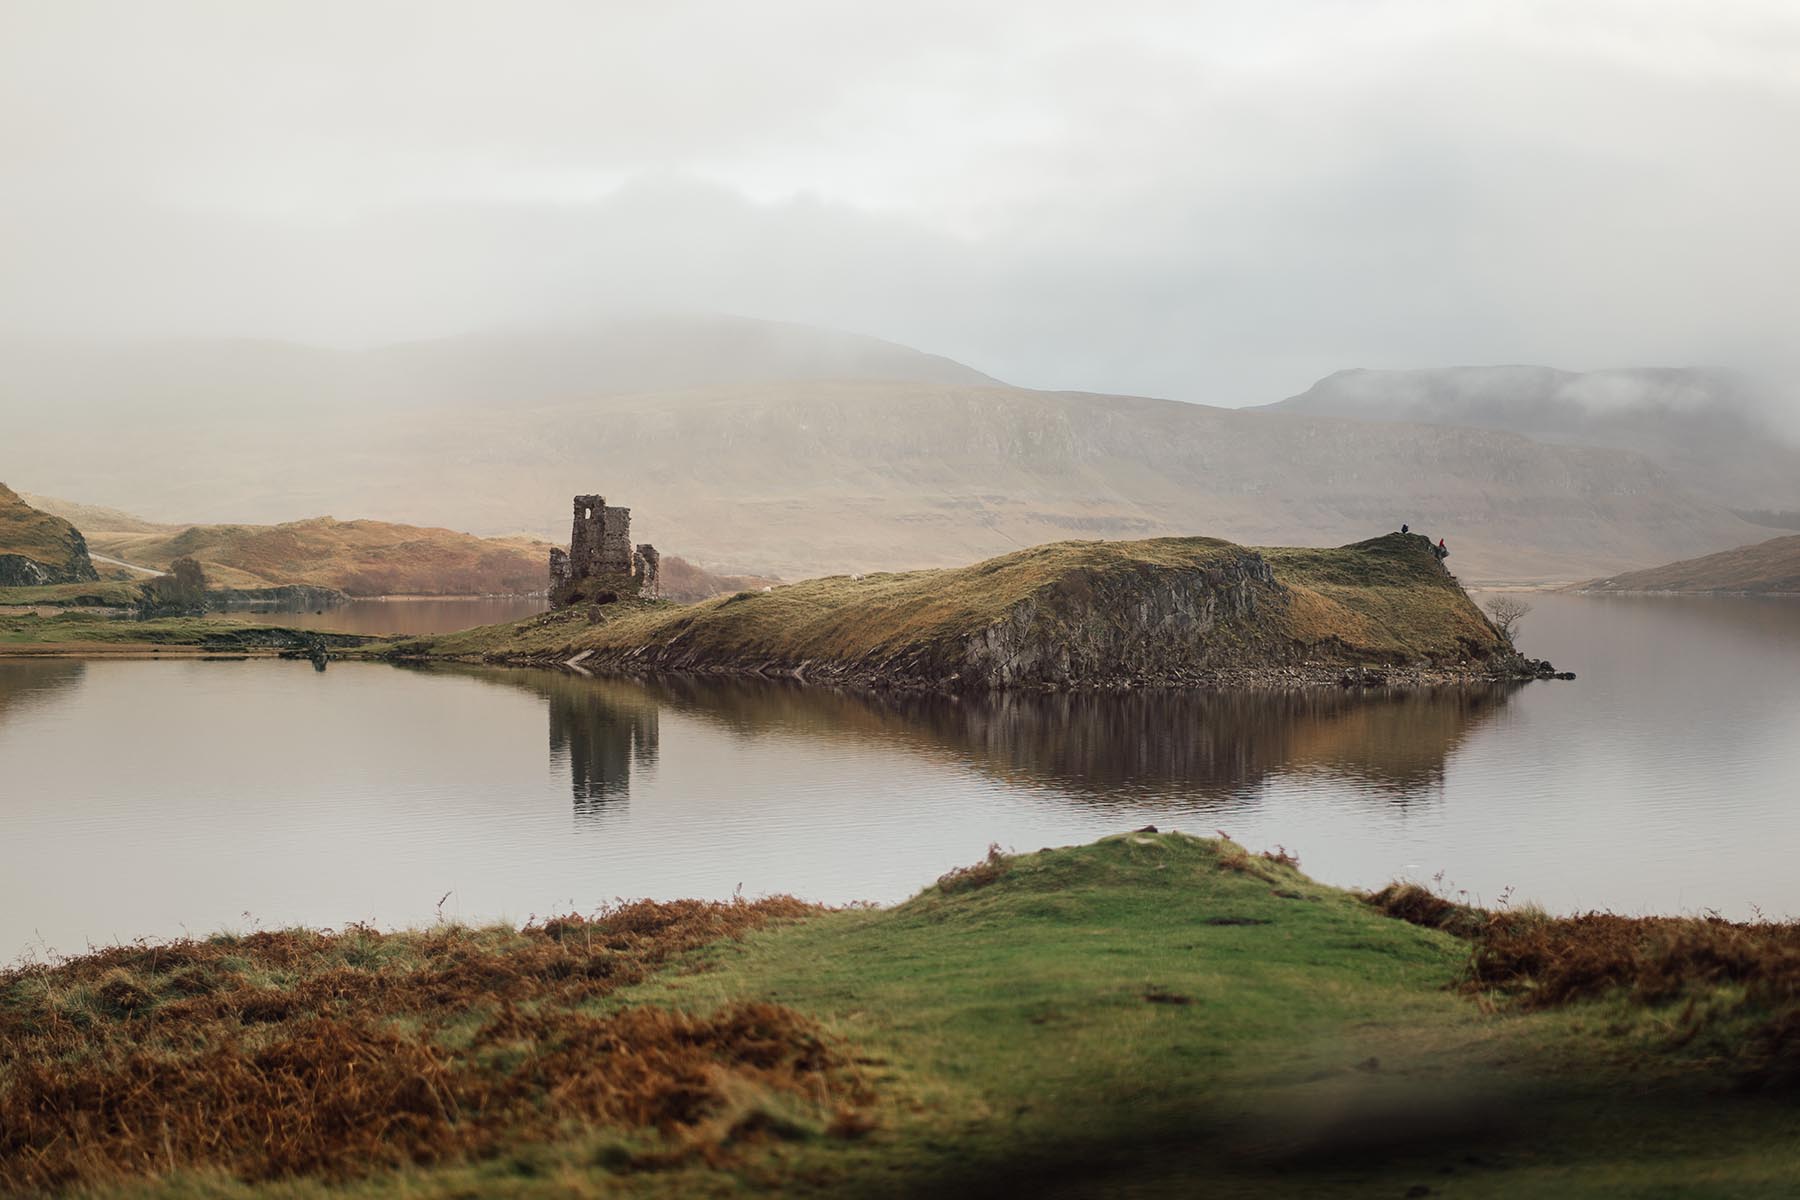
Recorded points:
(149,798)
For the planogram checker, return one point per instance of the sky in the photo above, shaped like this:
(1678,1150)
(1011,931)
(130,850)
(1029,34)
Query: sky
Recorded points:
(1216,202)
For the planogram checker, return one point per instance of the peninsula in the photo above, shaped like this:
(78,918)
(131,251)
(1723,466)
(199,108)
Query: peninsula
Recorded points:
(1164,612)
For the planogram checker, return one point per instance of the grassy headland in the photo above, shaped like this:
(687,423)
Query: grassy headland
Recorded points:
(78,632)
(1161,611)
(1150,1015)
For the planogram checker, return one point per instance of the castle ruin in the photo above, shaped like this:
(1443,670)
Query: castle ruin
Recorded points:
(601,564)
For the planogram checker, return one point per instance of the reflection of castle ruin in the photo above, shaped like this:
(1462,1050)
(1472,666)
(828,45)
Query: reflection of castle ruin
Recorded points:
(603,731)
(601,564)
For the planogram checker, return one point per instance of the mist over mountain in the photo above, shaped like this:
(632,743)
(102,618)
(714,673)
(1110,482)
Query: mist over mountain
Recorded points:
(1712,429)
(825,452)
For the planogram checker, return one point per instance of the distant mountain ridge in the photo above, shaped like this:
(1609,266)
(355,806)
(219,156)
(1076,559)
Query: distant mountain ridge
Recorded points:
(815,469)
(1767,568)
(1706,427)
(38,548)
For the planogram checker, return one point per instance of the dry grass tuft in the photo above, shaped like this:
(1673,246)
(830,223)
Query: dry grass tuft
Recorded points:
(976,875)
(1422,906)
(334,1054)
(1718,971)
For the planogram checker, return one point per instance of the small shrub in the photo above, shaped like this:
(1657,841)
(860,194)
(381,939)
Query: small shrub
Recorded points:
(976,875)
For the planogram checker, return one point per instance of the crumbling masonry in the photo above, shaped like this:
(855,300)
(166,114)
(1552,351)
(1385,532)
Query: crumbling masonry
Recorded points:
(601,564)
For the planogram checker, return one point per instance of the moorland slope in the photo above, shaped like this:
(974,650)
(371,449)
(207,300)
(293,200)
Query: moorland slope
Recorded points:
(359,558)
(1767,568)
(37,548)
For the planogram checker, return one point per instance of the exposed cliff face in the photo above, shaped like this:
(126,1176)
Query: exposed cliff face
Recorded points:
(37,548)
(1097,625)
(1164,612)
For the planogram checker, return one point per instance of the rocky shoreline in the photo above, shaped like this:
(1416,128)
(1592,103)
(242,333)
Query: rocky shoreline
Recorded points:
(1300,676)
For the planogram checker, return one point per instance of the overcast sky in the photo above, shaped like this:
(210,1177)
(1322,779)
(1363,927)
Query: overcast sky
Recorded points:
(1216,202)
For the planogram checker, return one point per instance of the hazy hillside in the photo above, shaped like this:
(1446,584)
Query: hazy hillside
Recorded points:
(813,472)
(38,548)
(91,518)
(1705,426)
(358,557)
(1771,567)
(362,558)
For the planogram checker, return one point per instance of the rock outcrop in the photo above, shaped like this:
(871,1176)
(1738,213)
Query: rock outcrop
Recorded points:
(37,548)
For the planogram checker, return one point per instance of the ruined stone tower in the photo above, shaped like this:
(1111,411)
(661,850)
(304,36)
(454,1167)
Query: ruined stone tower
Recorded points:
(601,563)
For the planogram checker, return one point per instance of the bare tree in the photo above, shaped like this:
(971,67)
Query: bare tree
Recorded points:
(1507,612)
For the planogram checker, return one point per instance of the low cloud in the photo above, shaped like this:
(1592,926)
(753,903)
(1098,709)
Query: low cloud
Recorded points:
(1178,200)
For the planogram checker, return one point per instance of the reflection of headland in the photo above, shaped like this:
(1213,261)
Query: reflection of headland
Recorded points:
(1203,744)
(1098,746)
(27,682)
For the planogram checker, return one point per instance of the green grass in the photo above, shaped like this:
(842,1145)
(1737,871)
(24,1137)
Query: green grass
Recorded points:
(104,594)
(1164,1015)
(75,629)
(1384,600)
(1385,596)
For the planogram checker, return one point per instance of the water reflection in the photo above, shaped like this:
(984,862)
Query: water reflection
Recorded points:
(1103,746)
(396,617)
(147,797)
(27,682)
(1096,748)
(602,732)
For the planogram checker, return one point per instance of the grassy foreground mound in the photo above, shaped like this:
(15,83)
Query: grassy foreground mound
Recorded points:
(1150,1015)
(1162,611)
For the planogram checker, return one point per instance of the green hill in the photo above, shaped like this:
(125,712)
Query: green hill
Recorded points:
(37,548)
(1157,612)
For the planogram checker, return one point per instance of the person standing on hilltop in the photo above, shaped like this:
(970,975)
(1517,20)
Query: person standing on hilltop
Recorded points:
(1403,527)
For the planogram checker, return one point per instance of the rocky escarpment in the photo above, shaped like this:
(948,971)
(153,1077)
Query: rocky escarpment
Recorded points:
(37,548)
(1120,626)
